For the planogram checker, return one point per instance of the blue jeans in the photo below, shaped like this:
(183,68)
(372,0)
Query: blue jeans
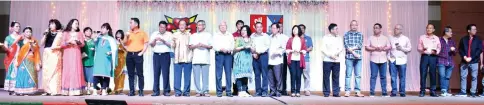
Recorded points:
(296,73)
(187,75)
(428,64)
(444,72)
(464,71)
(399,71)
(261,68)
(223,62)
(378,68)
(353,65)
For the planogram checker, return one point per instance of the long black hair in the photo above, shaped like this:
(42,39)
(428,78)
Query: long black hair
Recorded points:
(299,31)
(69,25)
(107,26)
(58,25)
(249,32)
(119,32)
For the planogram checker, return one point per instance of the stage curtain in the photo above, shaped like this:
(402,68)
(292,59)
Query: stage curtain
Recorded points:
(413,15)
(315,15)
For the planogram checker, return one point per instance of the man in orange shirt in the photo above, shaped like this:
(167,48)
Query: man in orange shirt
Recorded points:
(136,43)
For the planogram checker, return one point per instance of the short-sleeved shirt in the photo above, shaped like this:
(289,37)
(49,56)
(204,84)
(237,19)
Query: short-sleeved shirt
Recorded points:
(309,44)
(160,47)
(201,55)
(136,41)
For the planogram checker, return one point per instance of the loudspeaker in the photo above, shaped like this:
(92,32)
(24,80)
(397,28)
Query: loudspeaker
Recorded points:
(105,102)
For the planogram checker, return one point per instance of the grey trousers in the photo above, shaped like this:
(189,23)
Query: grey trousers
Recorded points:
(201,70)
(307,78)
(275,78)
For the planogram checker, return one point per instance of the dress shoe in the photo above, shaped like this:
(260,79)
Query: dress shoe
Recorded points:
(229,95)
(422,94)
(140,93)
(156,94)
(131,93)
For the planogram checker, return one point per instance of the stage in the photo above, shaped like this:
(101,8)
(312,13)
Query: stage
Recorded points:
(316,98)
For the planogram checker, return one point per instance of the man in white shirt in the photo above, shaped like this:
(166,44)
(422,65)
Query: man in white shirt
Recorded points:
(160,43)
(397,57)
(332,49)
(223,45)
(200,43)
(260,46)
(276,51)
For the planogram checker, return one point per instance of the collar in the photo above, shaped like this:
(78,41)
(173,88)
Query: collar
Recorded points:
(430,37)
(275,35)
(137,30)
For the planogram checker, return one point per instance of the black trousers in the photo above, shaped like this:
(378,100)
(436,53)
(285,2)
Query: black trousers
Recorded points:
(134,63)
(331,69)
(104,81)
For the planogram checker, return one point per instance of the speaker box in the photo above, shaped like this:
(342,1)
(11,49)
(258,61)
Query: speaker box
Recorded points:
(105,102)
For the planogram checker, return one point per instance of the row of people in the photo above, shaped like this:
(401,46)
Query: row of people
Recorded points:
(72,59)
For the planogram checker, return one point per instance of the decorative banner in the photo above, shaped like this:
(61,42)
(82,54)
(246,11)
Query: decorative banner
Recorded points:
(173,23)
(266,20)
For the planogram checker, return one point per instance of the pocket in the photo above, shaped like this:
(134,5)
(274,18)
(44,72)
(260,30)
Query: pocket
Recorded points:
(138,59)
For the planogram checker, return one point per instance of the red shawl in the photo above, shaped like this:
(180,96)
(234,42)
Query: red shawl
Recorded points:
(303,47)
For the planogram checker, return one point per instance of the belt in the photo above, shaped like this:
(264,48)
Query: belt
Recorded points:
(428,55)
(155,53)
(263,53)
(220,52)
(133,53)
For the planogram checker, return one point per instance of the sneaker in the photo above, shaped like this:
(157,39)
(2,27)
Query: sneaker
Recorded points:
(473,95)
(94,93)
(461,95)
(385,96)
(372,96)
(206,95)
(358,94)
(448,94)
(198,95)
(298,95)
(307,93)
(293,95)
(393,95)
(104,92)
(347,94)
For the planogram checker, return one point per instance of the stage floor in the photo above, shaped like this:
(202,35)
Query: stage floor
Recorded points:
(314,99)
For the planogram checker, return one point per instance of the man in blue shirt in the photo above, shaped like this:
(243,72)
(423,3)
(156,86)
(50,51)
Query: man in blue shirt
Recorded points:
(309,45)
